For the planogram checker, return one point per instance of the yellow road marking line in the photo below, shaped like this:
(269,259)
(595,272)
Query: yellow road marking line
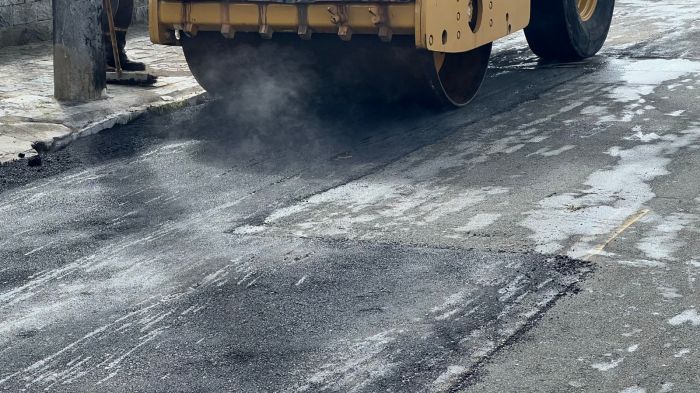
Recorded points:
(622,228)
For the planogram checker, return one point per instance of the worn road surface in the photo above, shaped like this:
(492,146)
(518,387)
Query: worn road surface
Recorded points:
(542,239)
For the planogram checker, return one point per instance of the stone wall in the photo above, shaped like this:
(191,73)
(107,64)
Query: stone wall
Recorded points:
(141,11)
(23,21)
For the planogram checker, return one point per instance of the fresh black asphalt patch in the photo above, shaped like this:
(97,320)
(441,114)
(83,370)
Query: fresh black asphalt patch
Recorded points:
(263,314)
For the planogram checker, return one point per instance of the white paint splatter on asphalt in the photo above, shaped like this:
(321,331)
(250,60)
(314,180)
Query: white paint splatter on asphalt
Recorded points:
(451,376)
(611,195)
(633,389)
(688,316)
(607,366)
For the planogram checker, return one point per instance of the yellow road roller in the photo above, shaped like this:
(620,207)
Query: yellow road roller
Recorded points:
(435,50)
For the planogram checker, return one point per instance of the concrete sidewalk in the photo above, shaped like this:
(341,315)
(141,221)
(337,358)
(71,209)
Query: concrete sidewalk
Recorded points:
(29,113)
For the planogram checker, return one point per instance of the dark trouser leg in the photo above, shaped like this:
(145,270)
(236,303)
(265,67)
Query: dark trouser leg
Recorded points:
(123,14)
(123,11)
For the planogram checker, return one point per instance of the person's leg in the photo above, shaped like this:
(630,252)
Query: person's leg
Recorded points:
(123,11)
(123,14)
(105,22)
(122,21)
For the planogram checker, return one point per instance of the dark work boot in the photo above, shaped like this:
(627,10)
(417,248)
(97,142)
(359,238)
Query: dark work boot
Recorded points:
(127,65)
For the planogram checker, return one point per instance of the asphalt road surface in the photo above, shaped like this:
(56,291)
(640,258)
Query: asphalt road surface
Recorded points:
(542,239)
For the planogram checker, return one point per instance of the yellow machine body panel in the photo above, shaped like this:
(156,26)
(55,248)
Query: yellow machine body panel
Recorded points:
(449,26)
(453,26)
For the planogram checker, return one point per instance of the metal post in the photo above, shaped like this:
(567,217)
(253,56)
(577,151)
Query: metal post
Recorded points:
(78,50)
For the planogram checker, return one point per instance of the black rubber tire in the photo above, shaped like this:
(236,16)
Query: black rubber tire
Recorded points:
(200,53)
(556,31)
(460,78)
(363,69)
(210,57)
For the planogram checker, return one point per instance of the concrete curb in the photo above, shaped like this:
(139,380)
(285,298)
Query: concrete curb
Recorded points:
(111,121)
(33,122)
